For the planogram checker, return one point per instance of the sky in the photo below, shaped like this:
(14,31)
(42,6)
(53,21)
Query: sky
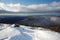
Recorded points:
(30,5)
(29,2)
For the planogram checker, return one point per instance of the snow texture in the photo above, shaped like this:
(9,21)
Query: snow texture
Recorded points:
(24,33)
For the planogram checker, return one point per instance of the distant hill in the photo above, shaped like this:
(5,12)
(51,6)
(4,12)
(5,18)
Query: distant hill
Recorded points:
(40,21)
(43,21)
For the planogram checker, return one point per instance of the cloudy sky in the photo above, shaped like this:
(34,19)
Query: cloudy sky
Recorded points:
(30,5)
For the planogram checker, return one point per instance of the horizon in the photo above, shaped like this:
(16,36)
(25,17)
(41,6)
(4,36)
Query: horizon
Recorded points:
(29,14)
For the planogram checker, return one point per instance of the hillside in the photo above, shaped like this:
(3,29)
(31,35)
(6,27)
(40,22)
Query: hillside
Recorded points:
(25,33)
(41,21)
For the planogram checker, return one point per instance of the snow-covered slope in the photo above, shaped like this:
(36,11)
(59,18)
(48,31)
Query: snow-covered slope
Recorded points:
(8,32)
(24,33)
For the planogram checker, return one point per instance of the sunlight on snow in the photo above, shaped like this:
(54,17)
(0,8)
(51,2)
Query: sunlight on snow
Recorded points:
(24,33)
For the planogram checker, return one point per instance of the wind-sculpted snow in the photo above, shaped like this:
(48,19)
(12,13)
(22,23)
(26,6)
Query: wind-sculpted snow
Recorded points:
(24,33)
(46,35)
(8,32)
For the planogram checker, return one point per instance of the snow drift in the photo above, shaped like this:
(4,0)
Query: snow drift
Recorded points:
(8,32)
(24,33)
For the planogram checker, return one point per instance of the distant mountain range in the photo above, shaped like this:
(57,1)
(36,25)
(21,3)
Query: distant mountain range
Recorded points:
(41,21)
(31,20)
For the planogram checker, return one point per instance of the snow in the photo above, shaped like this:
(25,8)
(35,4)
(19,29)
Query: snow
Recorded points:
(8,32)
(25,33)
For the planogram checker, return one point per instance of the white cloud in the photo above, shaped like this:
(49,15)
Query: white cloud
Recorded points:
(10,7)
(55,19)
(52,7)
(55,4)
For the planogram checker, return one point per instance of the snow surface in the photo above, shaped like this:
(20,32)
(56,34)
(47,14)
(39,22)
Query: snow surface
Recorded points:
(24,33)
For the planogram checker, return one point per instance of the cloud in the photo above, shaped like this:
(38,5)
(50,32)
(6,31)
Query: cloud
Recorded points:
(52,7)
(55,4)
(10,7)
(55,19)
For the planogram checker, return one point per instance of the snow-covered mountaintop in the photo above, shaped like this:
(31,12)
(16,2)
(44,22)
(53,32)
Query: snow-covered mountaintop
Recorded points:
(24,33)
